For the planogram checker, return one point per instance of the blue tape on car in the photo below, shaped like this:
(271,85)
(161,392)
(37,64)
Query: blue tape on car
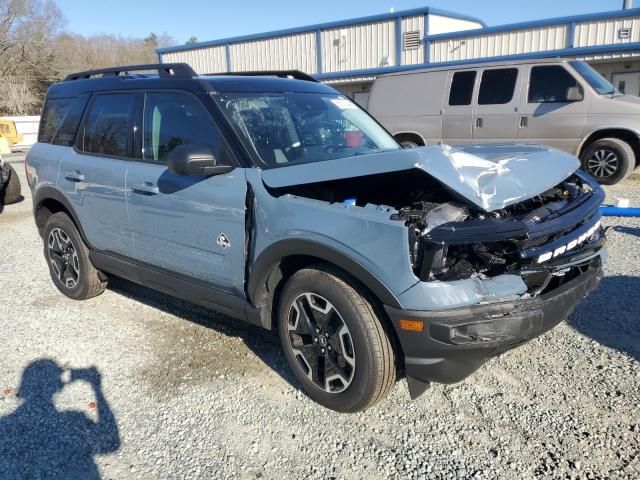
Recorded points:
(611,211)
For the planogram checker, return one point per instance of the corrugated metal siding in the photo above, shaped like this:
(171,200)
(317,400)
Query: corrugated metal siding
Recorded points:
(359,46)
(605,32)
(202,60)
(280,53)
(503,43)
(411,24)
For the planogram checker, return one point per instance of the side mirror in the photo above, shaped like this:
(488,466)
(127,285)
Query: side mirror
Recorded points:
(574,94)
(195,160)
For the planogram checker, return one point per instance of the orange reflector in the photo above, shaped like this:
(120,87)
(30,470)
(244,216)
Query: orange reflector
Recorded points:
(412,325)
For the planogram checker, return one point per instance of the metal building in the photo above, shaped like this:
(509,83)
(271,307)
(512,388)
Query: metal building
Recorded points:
(351,53)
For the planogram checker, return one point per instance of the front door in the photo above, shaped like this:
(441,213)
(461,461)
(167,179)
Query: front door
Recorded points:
(553,110)
(191,226)
(495,116)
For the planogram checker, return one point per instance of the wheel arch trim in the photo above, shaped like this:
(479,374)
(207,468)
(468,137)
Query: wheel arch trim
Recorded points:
(583,142)
(273,255)
(50,193)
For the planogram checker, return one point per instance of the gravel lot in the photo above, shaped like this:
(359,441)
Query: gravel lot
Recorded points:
(192,394)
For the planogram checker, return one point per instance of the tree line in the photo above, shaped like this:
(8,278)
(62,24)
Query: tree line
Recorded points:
(37,50)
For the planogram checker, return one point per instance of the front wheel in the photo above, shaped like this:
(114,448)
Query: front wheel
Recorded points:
(334,342)
(608,160)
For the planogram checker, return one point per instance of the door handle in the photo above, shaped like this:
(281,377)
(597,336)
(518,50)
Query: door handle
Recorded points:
(146,188)
(478,123)
(74,176)
(524,122)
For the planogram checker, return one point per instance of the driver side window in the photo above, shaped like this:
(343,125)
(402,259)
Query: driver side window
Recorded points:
(173,119)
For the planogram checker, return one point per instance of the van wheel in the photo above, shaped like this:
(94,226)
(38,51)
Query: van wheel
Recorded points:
(608,160)
(334,342)
(68,258)
(408,144)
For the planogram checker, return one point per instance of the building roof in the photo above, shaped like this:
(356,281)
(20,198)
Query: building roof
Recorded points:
(323,26)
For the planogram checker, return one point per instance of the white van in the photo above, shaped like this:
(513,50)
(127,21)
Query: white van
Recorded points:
(562,103)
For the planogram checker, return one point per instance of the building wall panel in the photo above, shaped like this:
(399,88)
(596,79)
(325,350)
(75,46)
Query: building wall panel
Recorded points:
(501,43)
(441,24)
(202,60)
(279,53)
(412,24)
(602,32)
(355,47)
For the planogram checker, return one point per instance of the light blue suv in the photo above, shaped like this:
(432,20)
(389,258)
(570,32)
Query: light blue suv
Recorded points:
(276,200)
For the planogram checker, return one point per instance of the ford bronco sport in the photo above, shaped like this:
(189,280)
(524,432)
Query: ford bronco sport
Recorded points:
(274,199)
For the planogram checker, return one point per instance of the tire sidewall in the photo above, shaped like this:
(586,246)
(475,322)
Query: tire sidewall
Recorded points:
(319,283)
(64,223)
(408,144)
(625,158)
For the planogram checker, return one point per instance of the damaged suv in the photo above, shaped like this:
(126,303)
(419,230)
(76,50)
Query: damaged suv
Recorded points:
(274,199)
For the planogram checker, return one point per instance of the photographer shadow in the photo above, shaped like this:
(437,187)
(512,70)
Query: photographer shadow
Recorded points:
(39,441)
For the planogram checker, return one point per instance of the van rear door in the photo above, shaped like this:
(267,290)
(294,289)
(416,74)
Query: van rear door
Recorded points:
(457,113)
(495,118)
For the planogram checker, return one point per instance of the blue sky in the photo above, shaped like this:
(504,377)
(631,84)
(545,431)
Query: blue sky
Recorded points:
(212,19)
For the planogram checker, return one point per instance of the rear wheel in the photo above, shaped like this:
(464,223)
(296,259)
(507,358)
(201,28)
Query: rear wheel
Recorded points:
(68,258)
(334,342)
(608,160)
(409,144)
(12,189)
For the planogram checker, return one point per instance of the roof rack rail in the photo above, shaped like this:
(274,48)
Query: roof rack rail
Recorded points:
(296,74)
(166,70)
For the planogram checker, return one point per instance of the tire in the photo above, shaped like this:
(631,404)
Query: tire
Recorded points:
(408,144)
(608,160)
(68,259)
(12,189)
(361,361)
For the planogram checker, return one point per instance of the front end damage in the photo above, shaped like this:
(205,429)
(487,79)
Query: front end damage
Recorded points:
(502,243)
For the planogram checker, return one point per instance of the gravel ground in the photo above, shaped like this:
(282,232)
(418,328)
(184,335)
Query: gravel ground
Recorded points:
(187,393)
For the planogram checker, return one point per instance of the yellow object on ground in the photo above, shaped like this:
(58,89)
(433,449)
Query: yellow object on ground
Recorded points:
(8,130)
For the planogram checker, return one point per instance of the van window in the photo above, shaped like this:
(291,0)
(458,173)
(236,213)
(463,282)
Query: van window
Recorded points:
(497,86)
(549,83)
(462,88)
(172,119)
(53,113)
(66,134)
(109,125)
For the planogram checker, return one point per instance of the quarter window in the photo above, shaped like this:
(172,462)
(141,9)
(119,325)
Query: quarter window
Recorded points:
(497,86)
(172,119)
(66,134)
(462,88)
(550,83)
(52,115)
(109,125)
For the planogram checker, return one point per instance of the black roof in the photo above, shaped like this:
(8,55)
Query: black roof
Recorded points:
(182,77)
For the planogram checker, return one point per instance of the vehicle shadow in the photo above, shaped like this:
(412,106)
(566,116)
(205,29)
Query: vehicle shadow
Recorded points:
(39,441)
(263,343)
(627,230)
(609,315)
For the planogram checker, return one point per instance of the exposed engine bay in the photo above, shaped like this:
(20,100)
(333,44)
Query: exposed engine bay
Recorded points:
(452,239)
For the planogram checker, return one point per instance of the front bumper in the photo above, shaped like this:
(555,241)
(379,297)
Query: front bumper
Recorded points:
(456,342)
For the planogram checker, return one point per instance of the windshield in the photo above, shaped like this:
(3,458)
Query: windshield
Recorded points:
(593,78)
(290,128)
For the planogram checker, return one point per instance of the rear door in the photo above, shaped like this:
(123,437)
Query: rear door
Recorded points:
(547,116)
(495,118)
(190,226)
(457,113)
(92,174)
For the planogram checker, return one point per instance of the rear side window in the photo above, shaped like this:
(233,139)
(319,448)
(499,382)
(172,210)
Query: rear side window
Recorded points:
(109,125)
(66,134)
(497,86)
(462,88)
(53,113)
(550,83)
(173,119)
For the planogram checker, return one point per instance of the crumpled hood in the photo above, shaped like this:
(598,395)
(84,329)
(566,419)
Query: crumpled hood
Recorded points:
(489,176)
